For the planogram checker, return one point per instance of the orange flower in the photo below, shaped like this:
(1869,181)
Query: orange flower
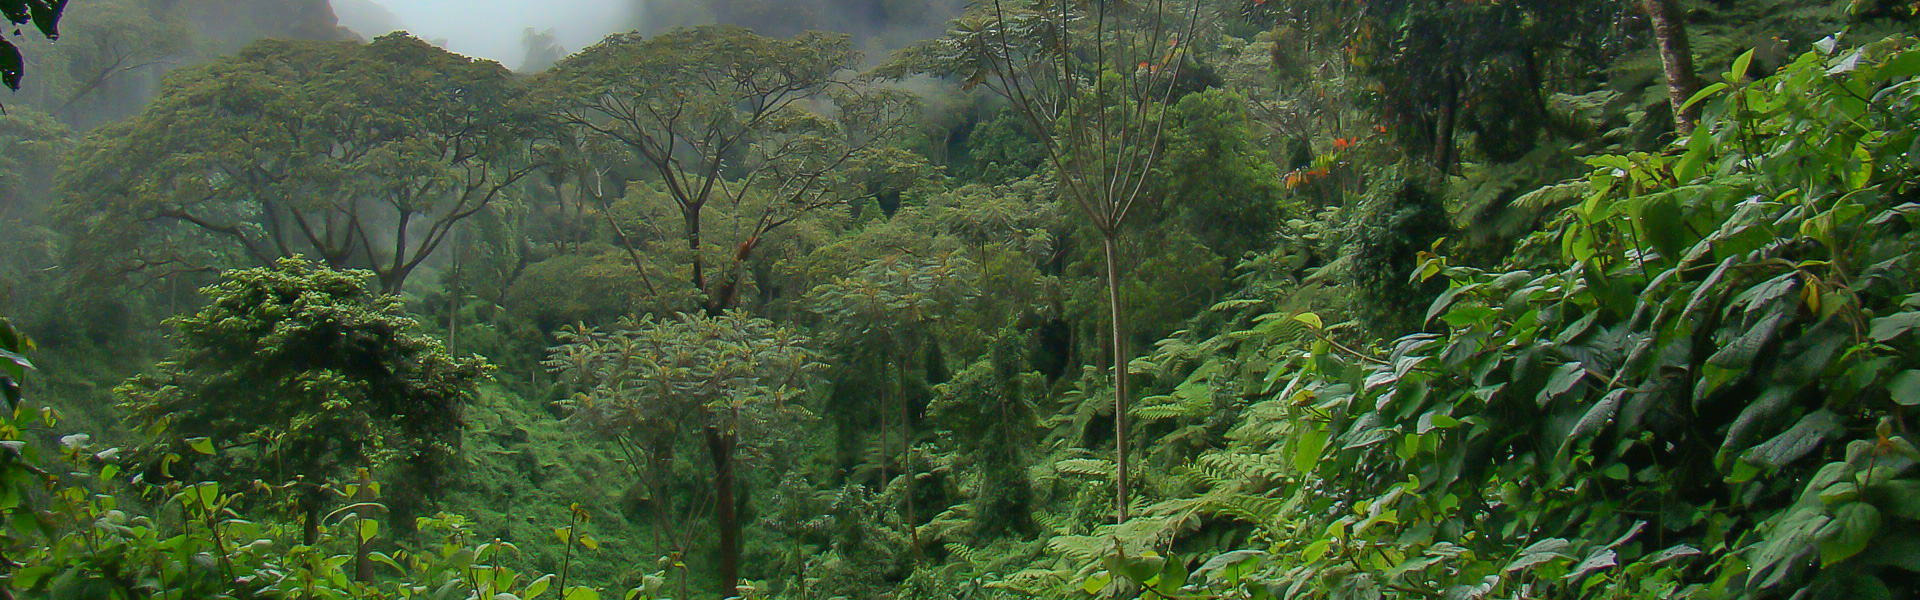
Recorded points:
(1380,129)
(1342,144)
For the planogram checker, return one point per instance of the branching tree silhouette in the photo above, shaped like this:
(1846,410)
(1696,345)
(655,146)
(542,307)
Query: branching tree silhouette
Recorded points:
(1093,80)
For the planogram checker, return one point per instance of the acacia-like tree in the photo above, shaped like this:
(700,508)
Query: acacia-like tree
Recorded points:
(652,383)
(771,128)
(361,155)
(301,373)
(1094,82)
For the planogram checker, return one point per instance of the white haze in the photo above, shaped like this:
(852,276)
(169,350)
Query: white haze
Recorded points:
(492,28)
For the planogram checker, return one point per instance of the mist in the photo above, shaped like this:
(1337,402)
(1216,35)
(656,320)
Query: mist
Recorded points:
(495,29)
(490,29)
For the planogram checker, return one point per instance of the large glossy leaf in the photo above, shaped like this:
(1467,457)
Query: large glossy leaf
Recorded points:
(1599,560)
(1740,352)
(1800,440)
(1892,326)
(1231,565)
(1560,382)
(1307,448)
(1596,417)
(1904,388)
(1852,528)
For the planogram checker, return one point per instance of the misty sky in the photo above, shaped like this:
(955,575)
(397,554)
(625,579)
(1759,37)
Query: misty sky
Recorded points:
(492,28)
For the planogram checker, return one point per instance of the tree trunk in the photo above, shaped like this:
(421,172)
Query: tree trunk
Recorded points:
(1118,327)
(363,548)
(691,215)
(310,529)
(453,300)
(720,448)
(1443,131)
(906,456)
(1676,57)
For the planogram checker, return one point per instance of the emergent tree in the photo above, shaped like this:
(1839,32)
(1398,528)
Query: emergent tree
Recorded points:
(725,378)
(770,127)
(361,155)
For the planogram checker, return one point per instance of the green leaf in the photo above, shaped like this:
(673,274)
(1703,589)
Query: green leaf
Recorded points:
(383,558)
(1231,563)
(1600,559)
(538,587)
(1740,65)
(1847,65)
(1617,472)
(1740,353)
(1743,472)
(368,528)
(1900,66)
(1851,529)
(1446,299)
(27,578)
(207,494)
(201,445)
(1798,441)
(1172,577)
(1892,326)
(1096,582)
(581,593)
(1434,420)
(1900,498)
(1316,550)
(1311,320)
(1563,379)
(1307,448)
(1860,176)
(1660,217)
(1596,417)
(1905,388)
(1703,94)
(17,361)
(1672,554)
(1845,491)
(1540,552)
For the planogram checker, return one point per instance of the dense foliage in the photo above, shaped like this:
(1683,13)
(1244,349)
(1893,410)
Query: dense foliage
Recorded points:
(1458,300)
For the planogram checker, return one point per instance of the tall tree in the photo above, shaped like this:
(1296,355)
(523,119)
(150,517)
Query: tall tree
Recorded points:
(304,374)
(885,314)
(1094,82)
(719,115)
(726,379)
(362,155)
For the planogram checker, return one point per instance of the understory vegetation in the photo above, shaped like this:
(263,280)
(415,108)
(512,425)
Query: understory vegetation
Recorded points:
(1157,299)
